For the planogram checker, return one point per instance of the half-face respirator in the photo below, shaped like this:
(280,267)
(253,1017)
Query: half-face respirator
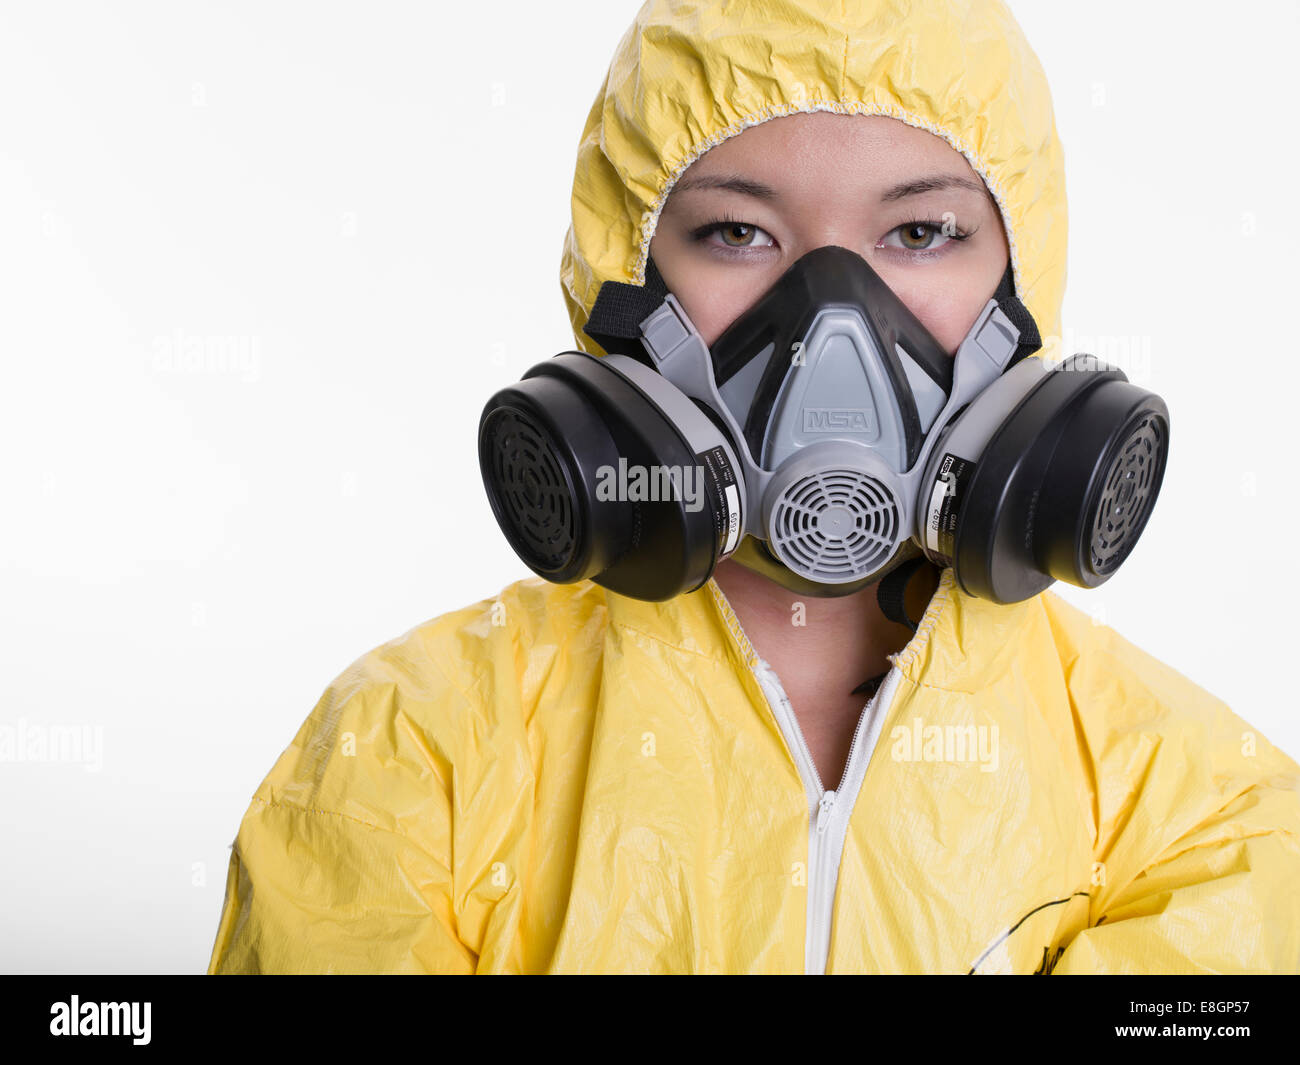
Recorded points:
(824,439)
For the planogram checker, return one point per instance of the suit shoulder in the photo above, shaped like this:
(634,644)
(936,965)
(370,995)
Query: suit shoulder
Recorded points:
(1164,754)
(450,695)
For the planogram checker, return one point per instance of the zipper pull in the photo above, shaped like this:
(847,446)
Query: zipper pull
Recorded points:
(824,810)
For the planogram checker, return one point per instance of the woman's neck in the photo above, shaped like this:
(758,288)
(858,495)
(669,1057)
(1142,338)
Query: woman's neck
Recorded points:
(822,649)
(845,635)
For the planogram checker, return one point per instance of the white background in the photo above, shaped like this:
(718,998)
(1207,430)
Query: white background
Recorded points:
(370,200)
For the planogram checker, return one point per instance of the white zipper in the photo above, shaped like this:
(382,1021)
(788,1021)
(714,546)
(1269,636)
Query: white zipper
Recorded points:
(828,811)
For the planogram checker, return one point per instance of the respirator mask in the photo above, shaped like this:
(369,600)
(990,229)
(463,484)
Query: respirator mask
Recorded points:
(825,439)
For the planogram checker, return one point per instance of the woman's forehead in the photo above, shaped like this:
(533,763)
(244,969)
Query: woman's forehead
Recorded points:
(803,151)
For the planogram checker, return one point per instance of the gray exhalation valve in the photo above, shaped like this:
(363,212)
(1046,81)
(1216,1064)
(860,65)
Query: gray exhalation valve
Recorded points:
(833,524)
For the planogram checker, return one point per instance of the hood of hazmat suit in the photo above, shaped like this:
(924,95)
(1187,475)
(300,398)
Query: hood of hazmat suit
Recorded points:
(562,779)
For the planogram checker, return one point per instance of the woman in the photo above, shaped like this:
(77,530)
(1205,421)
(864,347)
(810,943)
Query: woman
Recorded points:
(566,779)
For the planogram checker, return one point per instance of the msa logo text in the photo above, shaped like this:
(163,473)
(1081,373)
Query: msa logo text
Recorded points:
(836,420)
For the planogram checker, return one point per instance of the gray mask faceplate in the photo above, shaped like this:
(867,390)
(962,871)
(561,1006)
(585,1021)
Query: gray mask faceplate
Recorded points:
(830,494)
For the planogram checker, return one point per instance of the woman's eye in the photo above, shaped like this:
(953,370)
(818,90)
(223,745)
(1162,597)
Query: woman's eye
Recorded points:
(922,236)
(738,235)
(916,236)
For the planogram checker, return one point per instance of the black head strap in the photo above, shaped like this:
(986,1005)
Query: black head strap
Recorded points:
(1020,317)
(620,308)
(891,588)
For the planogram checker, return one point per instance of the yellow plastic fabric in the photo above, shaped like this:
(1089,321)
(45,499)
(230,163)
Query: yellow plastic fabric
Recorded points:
(561,779)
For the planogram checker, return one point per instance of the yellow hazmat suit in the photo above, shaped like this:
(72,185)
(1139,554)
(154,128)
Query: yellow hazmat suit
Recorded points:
(562,779)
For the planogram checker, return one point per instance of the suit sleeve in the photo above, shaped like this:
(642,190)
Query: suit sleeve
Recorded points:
(314,891)
(1221,899)
(1197,818)
(343,860)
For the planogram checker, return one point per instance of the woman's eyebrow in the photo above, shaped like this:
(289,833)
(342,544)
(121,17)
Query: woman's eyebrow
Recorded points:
(733,182)
(933,183)
(752,187)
